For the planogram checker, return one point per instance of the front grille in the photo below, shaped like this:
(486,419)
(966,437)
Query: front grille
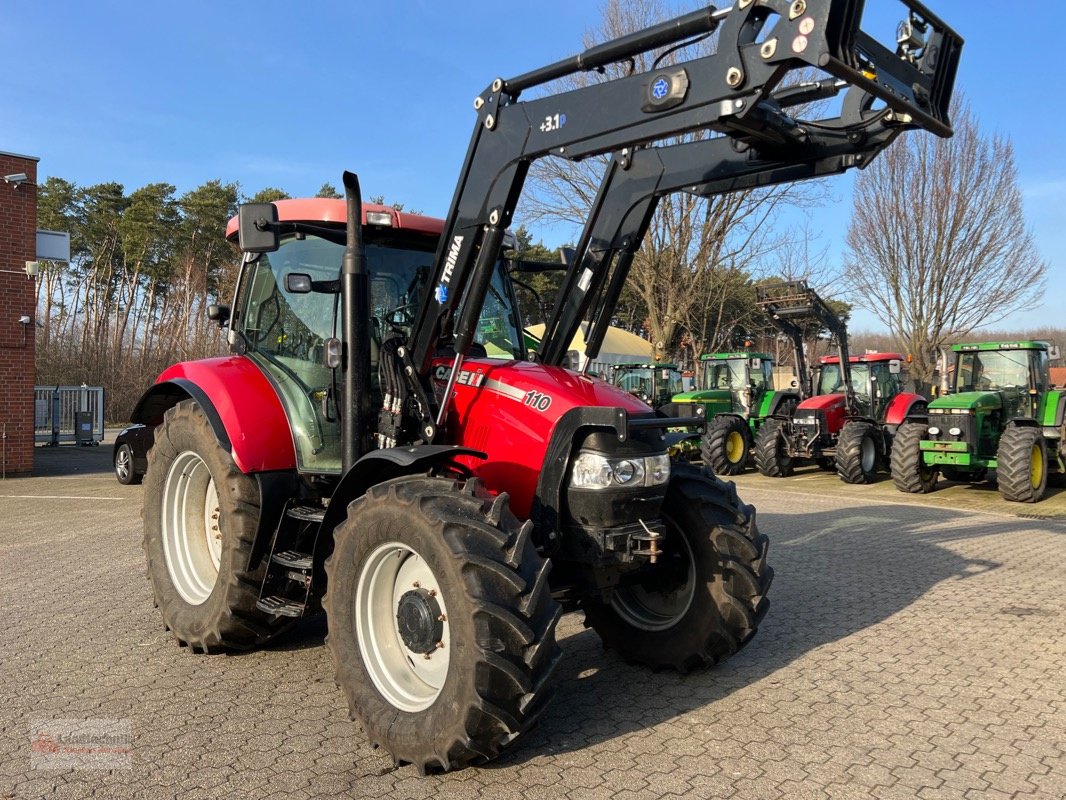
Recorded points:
(966,423)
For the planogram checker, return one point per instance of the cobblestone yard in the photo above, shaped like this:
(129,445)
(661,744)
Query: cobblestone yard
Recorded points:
(913,649)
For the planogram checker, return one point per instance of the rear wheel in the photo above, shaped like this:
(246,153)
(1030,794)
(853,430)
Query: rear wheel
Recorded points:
(441,624)
(858,452)
(910,473)
(200,517)
(725,445)
(1022,464)
(705,599)
(771,450)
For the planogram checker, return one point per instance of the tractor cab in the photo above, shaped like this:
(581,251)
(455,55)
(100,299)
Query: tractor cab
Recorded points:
(876,379)
(731,382)
(655,384)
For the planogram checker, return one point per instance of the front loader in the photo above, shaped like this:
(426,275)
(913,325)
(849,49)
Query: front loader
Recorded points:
(379,443)
(1001,414)
(857,403)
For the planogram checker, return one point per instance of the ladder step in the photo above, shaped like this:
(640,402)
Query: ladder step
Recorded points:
(280,607)
(306,513)
(292,559)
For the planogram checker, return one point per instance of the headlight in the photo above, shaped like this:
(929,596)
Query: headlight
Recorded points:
(955,431)
(593,471)
(934,431)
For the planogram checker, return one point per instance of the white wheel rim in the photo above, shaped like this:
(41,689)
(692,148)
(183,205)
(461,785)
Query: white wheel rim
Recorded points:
(408,680)
(192,538)
(123,463)
(657,611)
(869,454)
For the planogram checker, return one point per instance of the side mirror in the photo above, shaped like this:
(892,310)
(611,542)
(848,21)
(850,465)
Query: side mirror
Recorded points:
(894,366)
(257,226)
(566,255)
(297,283)
(219,314)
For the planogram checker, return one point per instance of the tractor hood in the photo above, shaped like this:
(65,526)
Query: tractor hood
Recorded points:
(703,396)
(822,402)
(975,401)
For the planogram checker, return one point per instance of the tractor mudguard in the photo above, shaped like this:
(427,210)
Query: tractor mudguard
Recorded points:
(901,407)
(244,410)
(773,400)
(379,466)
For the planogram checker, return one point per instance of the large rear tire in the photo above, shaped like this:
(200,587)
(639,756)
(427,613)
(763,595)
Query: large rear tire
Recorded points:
(1022,464)
(441,624)
(858,452)
(771,450)
(910,473)
(708,595)
(200,517)
(724,447)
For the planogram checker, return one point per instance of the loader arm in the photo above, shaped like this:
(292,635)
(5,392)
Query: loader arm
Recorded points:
(790,303)
(724,93)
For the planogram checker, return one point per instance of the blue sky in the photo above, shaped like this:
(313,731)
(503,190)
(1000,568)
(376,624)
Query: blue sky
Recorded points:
(289,95)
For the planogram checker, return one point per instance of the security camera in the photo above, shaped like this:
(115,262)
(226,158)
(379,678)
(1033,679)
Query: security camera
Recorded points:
(17,178)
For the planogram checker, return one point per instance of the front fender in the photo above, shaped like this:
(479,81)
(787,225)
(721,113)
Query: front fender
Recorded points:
(244,410)
(379,466)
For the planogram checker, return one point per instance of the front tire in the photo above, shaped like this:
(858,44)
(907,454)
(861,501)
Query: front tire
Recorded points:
(858,452)
(712,582)
(724,447)
(200,517)
(442,627)
(1022,464)
(771,450)
(910,473)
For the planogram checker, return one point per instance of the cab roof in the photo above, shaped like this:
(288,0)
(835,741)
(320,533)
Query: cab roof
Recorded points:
(734,356)
(865,358)
(333,211)
(643,365)
(1025,344)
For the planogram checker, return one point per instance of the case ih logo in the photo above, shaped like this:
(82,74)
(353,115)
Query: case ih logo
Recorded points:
(449,265)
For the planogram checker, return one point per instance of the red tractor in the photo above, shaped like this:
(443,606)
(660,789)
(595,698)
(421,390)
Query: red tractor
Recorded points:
(381,445)
(848,425)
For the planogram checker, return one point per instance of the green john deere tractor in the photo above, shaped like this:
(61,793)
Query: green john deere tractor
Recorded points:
(1001,414)
(736,393)
(655,384)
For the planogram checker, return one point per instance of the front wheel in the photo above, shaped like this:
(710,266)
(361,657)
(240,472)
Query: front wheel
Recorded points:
(724,447)
(1022,464)
(771,450)
(910,472)
(441,624)
(705,597)
(200,517)
(125,472)
(858,452)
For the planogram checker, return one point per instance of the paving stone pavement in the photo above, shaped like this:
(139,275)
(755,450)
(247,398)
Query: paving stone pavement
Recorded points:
(910,651)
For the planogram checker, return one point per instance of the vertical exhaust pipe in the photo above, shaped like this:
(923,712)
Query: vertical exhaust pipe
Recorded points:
(355,325)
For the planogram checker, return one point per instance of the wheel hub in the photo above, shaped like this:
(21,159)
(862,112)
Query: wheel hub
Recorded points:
(419,621)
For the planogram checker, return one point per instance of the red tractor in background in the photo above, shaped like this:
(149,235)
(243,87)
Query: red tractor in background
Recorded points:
(857,404)
(380,443)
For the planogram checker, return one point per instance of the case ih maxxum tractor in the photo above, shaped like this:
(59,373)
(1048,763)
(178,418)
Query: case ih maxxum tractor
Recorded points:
(381,445)
(857,405)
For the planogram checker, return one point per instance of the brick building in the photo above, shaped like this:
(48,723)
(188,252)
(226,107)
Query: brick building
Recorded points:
(18,299)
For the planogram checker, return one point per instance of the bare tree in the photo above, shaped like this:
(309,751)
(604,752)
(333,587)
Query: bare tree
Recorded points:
(937,243)
(693,272)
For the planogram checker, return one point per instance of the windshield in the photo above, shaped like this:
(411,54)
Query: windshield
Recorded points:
(724,374)
(278,322)
(638,381)
(992,370)
(832,380)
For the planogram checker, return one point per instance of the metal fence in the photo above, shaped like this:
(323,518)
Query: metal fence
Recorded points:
(68,414)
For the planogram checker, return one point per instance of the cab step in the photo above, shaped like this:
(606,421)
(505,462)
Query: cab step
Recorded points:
(306,513)
(293,560)
(280,606)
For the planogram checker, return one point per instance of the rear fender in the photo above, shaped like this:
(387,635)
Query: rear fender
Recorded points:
(242,407)
(775,400)
(904,406)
